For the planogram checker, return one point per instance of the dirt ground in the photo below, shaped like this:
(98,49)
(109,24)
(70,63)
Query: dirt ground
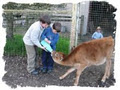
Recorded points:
(17,75)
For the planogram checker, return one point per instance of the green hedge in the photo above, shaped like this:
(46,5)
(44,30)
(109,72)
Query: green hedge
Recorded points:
(63,45)
(16,46)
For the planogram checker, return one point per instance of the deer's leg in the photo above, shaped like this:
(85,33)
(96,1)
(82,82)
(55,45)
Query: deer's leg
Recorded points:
(80,68)
(109,64)
(68,72)
(108,74)
(107,70)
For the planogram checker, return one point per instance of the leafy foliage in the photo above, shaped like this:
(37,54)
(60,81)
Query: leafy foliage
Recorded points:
(34,6)
(16,46)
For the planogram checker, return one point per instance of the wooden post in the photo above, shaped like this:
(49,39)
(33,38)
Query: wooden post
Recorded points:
(9,18)
(81,25)
(27,21)
(74,26)
(77,23)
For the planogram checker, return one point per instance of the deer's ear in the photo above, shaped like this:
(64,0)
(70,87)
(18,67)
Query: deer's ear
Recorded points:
(72,48)
(53,53)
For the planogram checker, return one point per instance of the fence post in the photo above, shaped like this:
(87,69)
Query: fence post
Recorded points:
(77,23)
(81,26)
(74,26)
(9,18)
(27,21)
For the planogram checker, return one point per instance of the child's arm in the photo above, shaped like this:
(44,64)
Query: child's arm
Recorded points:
(46,45)
(43,36)
(93,36)
(101,35)
(48,41)
(34,37)
(54,41)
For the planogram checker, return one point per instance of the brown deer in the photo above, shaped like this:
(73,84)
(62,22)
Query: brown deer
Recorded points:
(94,52)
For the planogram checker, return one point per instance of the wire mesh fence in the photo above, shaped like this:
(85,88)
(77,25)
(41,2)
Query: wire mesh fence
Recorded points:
(17,23)
(102,14)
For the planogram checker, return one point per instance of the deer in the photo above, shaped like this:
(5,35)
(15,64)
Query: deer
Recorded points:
(94,52)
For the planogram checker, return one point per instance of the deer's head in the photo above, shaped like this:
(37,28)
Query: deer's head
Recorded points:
(57,56)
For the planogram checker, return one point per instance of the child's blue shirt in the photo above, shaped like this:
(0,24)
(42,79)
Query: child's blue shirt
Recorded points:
(97,35)
(53,37)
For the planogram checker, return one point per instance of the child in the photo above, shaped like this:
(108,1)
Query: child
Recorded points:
(31,40)
(50,36)
(97,34)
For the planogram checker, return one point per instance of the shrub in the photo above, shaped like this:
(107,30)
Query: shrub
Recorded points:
(16,46)
(63,45)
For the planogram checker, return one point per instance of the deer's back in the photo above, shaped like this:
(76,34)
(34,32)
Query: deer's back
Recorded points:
(92,52)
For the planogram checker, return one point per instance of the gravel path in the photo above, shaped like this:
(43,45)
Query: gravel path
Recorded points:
(17,75)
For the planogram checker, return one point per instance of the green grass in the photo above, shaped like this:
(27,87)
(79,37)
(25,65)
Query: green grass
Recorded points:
(16,46)
(63,45)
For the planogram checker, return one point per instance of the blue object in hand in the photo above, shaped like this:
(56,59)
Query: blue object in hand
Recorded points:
(46,45)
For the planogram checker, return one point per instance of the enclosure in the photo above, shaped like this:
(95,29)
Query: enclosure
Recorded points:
(17,18)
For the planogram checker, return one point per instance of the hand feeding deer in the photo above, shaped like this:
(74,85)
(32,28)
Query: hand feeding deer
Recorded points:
(94,52)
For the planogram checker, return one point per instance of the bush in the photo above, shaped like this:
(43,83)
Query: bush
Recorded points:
(63,45)
(16,46)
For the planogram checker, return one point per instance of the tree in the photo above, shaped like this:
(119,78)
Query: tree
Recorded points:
(10,5)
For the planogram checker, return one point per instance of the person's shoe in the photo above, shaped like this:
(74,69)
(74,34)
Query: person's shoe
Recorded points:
(44,70)
(35,72)
(49,70)
(38,69)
